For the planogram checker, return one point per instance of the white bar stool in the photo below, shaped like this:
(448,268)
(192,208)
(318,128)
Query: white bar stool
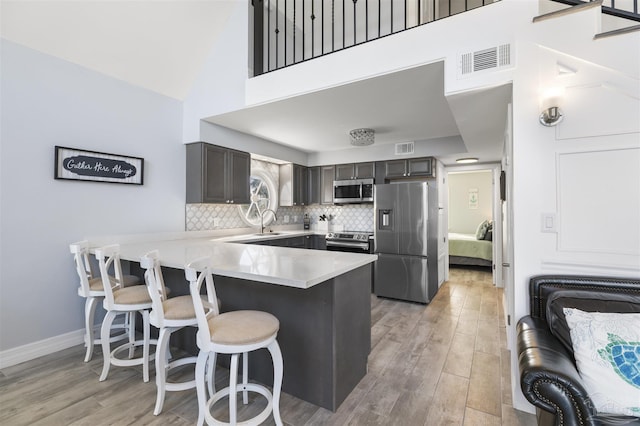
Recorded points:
(235,333)
(168,315)
(91,289)
(120,299)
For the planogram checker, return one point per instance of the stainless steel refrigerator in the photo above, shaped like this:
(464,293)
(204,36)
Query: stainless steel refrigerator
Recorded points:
(405,238)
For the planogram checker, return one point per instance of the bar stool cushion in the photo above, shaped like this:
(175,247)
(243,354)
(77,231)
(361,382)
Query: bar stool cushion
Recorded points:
(242,327)
(179,308)
(132,295)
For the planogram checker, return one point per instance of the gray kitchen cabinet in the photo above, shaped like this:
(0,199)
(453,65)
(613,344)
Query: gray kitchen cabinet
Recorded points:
(300,185)
(217,175)
(313,242)
(292,242)
(314,185)
(294,185)
(413,167)
(355,171)
(327,174)
(317,242)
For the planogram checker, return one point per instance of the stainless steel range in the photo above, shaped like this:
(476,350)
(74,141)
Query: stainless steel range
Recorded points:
(355,242)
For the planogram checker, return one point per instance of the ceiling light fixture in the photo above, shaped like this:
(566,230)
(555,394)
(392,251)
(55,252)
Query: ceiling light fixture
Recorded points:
(362,137)
(468,160)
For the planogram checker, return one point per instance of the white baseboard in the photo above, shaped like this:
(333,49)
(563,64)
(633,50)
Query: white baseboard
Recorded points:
(34,350)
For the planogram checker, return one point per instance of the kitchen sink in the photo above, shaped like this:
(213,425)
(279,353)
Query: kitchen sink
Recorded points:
(267,234)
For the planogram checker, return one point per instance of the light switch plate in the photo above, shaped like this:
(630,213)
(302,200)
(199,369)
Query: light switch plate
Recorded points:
(549,222)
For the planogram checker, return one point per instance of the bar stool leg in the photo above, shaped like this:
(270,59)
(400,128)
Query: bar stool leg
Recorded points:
(105,331)
(161,368)
(89,316)
(245,377)
(278,368)
(132,333)
(233,389)
(201,363)
(211,373)
(145,346)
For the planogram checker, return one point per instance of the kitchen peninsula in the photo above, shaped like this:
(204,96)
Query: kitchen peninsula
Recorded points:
(321,298)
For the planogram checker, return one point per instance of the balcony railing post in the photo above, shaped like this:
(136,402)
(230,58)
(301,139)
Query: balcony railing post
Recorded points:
(258,37)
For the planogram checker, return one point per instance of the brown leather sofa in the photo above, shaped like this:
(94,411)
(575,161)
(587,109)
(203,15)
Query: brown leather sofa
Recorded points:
(548,375)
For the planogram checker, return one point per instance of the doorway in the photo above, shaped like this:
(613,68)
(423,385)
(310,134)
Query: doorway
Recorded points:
(474,218)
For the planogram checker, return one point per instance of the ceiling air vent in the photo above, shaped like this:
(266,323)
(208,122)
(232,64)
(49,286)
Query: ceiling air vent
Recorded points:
(486,59)
(404,148)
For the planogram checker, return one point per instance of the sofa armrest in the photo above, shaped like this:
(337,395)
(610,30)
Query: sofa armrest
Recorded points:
(548,375)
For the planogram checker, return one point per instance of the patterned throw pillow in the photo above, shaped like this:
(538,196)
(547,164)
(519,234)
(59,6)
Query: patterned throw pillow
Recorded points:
(607,351)
(482,229)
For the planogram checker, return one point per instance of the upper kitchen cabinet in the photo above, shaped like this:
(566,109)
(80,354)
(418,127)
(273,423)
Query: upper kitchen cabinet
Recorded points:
(327,174)
(217,175)
(413,167)
(294,185)
(315,185)
(355,171)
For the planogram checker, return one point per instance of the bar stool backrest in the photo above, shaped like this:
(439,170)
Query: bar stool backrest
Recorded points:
(204,309)
(155,283)
(109,257)
(80,251)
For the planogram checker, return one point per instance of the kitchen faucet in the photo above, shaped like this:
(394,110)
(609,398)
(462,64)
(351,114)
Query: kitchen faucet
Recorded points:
(262,218)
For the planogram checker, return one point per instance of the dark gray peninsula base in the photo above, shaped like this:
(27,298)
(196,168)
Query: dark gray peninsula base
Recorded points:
(325,333)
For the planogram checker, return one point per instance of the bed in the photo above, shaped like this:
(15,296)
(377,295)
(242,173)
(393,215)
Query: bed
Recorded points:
(466,249)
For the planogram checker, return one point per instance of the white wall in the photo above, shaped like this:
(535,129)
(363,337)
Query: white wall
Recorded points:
(219,86)
(601,105)
(462,218)
(48,102)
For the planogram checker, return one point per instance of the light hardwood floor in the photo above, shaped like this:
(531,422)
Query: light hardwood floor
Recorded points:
(441,364)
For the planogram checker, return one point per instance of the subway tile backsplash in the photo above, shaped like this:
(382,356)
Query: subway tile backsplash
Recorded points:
(352,217)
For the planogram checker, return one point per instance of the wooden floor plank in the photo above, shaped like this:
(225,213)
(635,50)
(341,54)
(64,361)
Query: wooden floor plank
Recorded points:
(448,404)
(478,418)
(484,389)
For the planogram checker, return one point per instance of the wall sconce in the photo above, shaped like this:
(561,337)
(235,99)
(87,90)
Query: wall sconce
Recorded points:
(551,114)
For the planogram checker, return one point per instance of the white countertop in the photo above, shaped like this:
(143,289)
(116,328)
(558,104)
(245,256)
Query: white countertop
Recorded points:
(293,267)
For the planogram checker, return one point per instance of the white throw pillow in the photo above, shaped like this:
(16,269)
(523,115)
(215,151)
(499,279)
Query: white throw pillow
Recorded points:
(606,347)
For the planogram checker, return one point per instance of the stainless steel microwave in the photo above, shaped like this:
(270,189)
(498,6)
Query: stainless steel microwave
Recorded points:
(353,191)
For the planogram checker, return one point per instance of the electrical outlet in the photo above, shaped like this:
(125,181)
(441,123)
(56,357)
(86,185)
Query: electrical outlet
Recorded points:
(216,222)
(286,218)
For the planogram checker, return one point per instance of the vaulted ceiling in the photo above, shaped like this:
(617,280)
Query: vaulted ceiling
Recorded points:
(162,46)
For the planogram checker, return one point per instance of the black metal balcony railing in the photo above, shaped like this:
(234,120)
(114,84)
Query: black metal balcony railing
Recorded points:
(286,32)
(627,9)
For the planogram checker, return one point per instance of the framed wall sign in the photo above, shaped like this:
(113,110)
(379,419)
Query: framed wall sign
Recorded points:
(78,164)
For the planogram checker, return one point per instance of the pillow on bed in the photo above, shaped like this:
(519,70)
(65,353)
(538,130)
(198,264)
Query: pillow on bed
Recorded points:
(481,232)
(606,347)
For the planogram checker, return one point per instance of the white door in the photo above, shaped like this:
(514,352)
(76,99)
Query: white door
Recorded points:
(507,232)
(443,224)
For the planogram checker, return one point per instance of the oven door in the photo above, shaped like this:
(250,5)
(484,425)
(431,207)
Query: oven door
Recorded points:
(348,246)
